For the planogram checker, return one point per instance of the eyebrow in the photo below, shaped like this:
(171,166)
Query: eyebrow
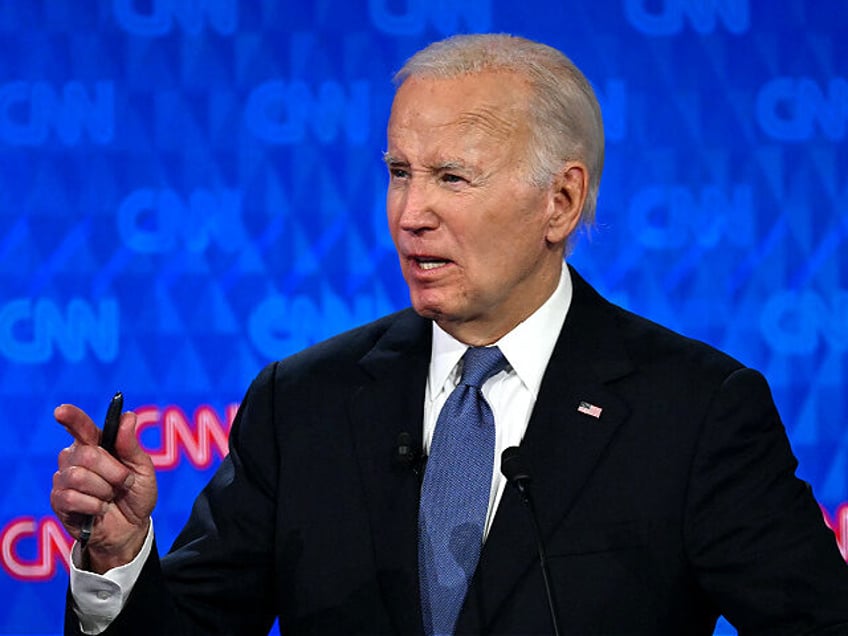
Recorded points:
(449,165)
(391,160)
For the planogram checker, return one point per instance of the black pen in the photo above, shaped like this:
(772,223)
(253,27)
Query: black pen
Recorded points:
(107,442)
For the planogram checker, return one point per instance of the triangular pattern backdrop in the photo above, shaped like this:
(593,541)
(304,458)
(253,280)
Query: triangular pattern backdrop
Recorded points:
(190,189)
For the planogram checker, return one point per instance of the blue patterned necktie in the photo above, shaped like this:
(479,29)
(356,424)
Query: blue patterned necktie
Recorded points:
(455,493)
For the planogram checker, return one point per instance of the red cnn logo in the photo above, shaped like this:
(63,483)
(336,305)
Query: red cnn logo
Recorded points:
(200,442)
(52,545)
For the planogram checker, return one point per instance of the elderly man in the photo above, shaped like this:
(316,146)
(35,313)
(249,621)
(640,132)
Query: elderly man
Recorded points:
(663,480)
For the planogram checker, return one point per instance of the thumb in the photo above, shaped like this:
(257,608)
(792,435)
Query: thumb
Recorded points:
(126,443)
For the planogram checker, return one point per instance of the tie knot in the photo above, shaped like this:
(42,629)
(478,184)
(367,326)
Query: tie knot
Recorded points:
(480,364)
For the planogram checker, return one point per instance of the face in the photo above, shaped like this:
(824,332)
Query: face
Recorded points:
(480,246)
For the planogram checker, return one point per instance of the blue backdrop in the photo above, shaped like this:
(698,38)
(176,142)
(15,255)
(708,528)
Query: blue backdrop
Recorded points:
(192,188)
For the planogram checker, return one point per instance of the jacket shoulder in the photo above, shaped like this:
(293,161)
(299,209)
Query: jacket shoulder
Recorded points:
(648,344)
(339,355)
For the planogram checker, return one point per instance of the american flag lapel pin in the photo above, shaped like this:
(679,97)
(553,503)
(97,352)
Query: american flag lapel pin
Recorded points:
(590,409)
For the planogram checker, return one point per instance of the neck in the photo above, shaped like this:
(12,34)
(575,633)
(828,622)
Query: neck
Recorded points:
(481,331)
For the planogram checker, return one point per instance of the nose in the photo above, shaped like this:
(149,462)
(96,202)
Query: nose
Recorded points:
(414,207)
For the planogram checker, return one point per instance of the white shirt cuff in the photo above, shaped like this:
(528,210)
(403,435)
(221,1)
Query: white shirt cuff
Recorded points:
(99,598)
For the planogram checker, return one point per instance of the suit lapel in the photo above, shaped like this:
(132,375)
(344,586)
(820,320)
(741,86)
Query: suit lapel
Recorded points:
(561,447)
(389,402)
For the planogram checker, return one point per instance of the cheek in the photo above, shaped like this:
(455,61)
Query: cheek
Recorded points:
(514,247)
(488,262)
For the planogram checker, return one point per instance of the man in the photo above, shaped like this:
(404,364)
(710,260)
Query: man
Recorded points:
(663,479)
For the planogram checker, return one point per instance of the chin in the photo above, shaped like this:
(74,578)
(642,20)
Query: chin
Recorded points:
(429,308)
(426,311)
(437,306)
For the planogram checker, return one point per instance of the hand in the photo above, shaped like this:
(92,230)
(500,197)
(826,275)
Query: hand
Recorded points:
(120,493)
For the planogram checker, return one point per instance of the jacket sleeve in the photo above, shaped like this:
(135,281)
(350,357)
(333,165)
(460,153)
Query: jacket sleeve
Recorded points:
(218,577)
(754,533)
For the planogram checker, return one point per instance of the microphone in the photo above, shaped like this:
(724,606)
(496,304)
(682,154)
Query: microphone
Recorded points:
(516,473)
(407,455)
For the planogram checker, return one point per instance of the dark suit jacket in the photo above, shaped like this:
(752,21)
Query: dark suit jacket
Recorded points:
(677,504)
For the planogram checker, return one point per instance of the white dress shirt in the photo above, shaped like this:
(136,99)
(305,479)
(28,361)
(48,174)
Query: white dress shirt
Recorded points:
(511,394)
(99,598)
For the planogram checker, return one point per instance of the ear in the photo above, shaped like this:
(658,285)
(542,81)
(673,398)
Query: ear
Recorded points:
(568,195)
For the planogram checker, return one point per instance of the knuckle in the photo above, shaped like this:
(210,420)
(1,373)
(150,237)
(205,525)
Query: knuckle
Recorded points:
(65,456)
(74,477)
(85,455)
(60,502)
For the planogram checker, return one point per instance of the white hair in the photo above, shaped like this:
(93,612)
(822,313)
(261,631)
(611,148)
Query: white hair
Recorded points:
(565,117)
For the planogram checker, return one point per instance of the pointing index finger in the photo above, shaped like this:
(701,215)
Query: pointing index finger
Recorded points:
(77,423)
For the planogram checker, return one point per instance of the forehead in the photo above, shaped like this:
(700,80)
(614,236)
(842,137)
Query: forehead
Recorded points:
(487,106)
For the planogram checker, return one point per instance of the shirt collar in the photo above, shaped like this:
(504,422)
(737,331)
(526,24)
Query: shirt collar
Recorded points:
(527,348)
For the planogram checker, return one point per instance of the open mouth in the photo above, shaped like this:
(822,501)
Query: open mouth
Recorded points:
(430,263)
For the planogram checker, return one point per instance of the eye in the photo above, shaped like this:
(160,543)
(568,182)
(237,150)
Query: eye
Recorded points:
(452,178)
(398,173)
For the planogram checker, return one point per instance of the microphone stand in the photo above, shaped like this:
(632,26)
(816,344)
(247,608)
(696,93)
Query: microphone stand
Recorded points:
(517,475)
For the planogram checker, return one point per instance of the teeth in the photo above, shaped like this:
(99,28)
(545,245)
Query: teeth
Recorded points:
(431,264)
